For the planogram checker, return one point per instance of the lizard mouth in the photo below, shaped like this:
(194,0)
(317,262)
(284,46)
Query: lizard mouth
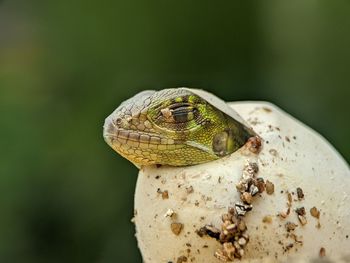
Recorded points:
(116,137)
(140,147)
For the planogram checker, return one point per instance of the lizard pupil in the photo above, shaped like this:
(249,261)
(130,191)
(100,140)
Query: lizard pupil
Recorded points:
(182,114)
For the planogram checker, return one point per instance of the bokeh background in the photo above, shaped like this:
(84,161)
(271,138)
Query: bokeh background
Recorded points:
(65,196)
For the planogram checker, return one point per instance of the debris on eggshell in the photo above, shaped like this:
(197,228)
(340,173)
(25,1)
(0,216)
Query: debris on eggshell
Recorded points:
(283,214)
(165,194)
(290,226)
(300,193)
(209,230)
(176,228)
(270,187)
(181,259)
(242,209)
(233,235)
(273,152)
(289,246)
(247,197)
(170,213)
(315,212)
(260,184)
(302,219)
(189,189)
(322,252)
(300,211)
(290,199)
(267,219)
(254,144)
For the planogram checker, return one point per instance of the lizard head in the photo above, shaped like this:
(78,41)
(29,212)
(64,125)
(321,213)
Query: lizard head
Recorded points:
(173,127)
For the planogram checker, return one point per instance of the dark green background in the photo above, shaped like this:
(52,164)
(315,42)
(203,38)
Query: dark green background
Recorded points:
(65,196)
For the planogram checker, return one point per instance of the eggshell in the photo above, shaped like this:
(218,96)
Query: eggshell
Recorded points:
(173,203)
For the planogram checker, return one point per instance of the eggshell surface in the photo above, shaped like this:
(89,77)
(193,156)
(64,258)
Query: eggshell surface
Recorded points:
(173,203)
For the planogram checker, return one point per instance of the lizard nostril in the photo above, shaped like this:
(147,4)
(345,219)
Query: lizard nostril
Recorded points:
(118,121)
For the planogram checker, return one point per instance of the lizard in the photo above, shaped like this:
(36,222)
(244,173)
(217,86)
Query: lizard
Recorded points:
(176,127)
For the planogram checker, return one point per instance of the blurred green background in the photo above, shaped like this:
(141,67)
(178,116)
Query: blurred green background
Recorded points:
(65,196)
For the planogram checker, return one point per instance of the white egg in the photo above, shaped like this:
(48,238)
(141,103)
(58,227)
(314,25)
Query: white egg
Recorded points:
(173,203)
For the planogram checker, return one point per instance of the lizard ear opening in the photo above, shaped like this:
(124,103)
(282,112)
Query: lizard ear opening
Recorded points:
(223,143)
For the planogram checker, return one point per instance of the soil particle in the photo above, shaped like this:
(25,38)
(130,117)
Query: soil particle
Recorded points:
(290,199)
(300,193)
(270,187)
(181,259)
(189,189)
(220,255)
(273,152)
(283,214)
(267,219)
(300,211)
(322,252)
(289,246)
(267,109)
(260,184)
(318,225)
(247,198)
(170,213)
(165,194)
(176,228)
(209,230)
(290,226)
(242,209)
(315,212)
(254,144)
(302,219)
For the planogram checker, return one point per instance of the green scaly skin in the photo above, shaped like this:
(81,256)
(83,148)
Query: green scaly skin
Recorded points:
(172,127)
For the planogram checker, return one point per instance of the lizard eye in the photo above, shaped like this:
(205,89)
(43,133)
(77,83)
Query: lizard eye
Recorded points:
(179,113)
